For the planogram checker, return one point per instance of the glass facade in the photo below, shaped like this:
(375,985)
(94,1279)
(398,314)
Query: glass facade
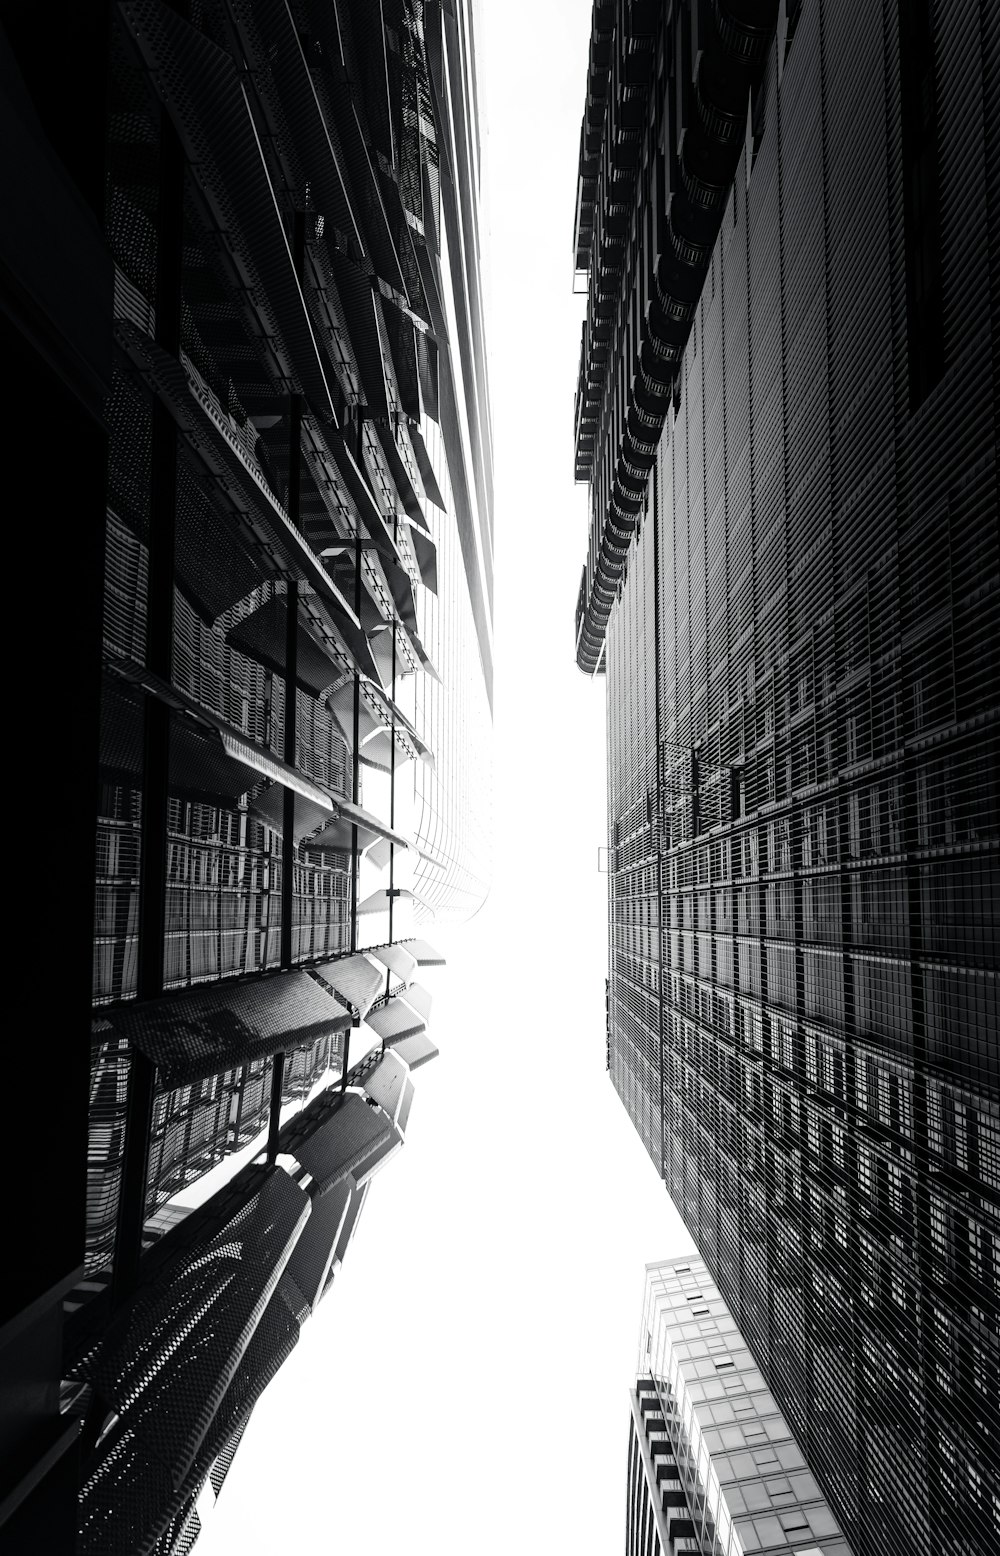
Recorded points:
(791,589)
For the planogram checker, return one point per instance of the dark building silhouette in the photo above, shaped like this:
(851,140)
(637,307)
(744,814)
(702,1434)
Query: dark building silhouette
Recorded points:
(788,223)
(241,316)
(713,1469)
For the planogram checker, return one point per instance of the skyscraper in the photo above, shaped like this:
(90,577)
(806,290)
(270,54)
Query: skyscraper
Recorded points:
(787,219)
(713,1468)
(242,305)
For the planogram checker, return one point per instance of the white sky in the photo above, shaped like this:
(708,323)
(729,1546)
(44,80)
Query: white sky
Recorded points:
(463,1386)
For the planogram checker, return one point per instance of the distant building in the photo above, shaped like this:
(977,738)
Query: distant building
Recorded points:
(787,417)
(713,1468)
(241,312)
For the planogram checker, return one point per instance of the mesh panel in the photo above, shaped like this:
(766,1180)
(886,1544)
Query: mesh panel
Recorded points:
(354,980)
(416,1050)
(336,1136)
(394,1021)
(198,1032)
(166,1362)
(310,1261)
(261,636)
(213,569)
(425,954)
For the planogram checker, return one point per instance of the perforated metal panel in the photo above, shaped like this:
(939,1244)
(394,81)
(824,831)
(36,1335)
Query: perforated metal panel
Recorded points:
(199,1032)
(337,1136)
(164,1365)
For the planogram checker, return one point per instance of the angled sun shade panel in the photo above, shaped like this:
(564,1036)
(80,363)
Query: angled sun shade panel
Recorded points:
(337,616)
(236,746)
(338,836)
(431,283)
(401,589)
(341,703)
(354,286)
(401,475)
(382,751)
(338,833)
(337,1137)
(130,1491)
(427,367)
(417,996)
(425,953)
(313,1254)
(425,552)
(306,119)
(389,716)
(350,811)
(394,1021)
(269,807)
(425,659)
(127,1494)
(390,1086)
(379,853)
(194,1033)
(226,458)
(167,1360)
(368,196)
(356,485)
(350,1222)
(377,714)
(261,637)
(403,351)
(354,980)
(415,1050)
(214,567)
(273,1341)
(426,470)
(398,960)
(201,90)
(378,901)
(412,302)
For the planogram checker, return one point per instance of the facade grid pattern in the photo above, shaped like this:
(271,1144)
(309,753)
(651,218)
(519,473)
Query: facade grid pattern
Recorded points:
(802,714)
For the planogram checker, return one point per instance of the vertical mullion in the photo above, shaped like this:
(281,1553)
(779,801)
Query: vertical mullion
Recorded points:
(156,715)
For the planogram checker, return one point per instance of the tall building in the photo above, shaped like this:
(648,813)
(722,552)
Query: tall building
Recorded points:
(241,305)
(713,1468)
(787,219)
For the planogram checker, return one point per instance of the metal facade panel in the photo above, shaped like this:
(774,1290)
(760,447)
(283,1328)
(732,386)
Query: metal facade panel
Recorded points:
(415,1050)
(801,705)
(354,979)
(394,1020)
(425,953)
(343,1138)
(166,1362)
(418,997)
(312,1255)
(198,1032)
(397,958)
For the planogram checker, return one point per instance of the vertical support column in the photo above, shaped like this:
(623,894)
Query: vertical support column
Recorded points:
(355,754)
(289,747)
(392,771)
(156,723)
(290,734)
(658,816)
